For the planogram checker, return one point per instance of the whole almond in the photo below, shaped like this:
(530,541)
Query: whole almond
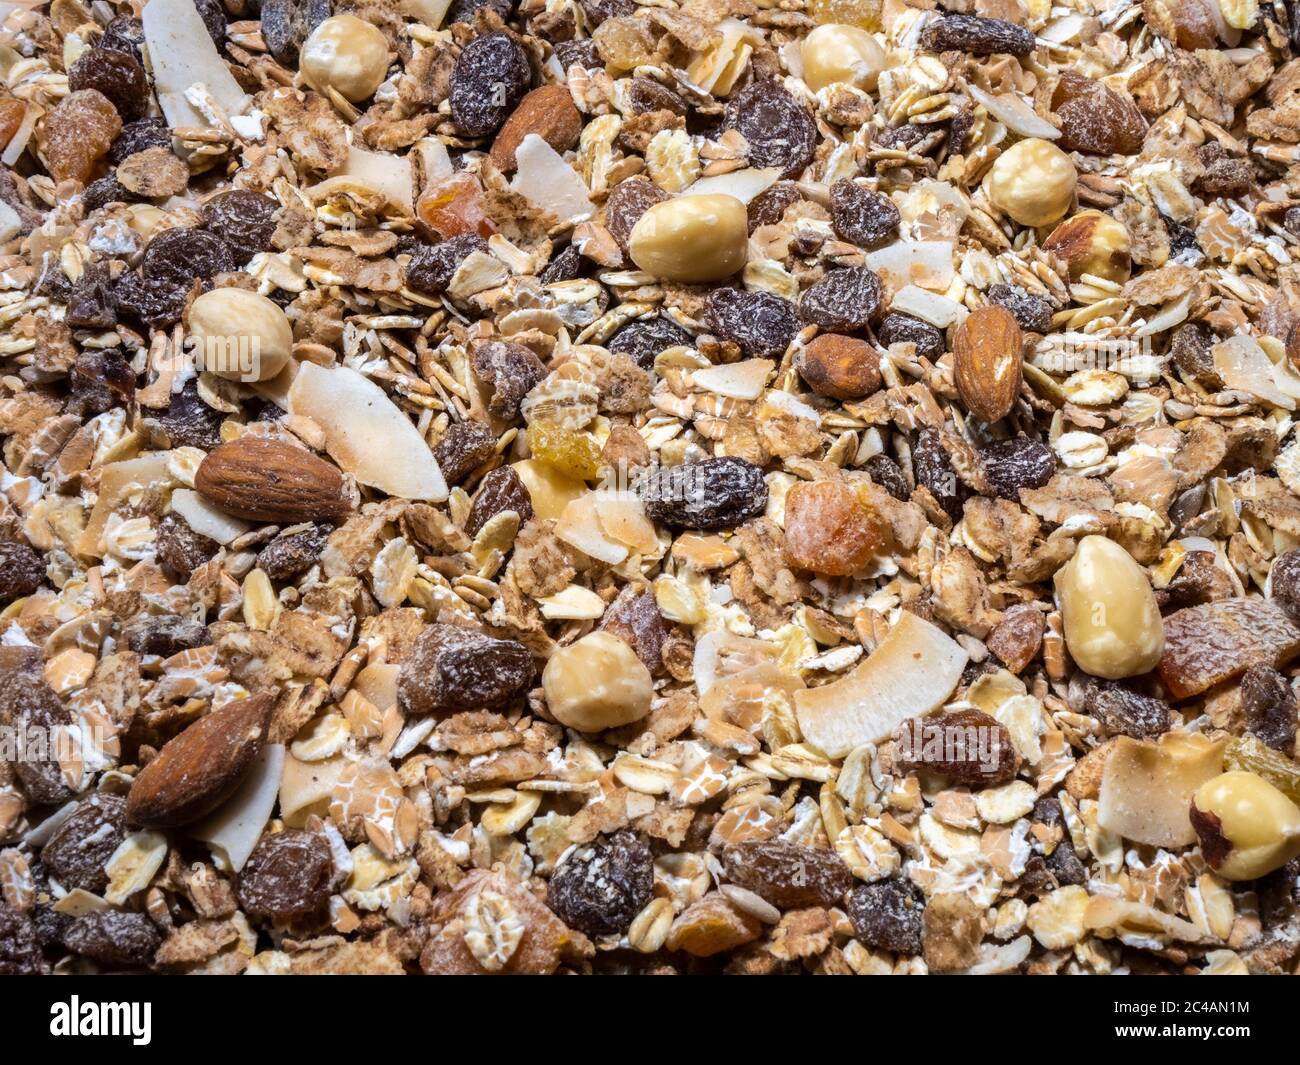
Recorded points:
(261,479)
(840,367)
(197,770)
(550,113)
(986,362)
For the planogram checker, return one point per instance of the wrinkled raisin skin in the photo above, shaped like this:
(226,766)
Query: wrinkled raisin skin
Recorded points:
(1020,462)
(287,878)
(635,617)
(843,300)
(117,74)
(189,422)
(489,79)
(1123,710)
(288,557)
(180,549)
(934,471)
(887,915)
(502,489)
(76,853)
(511,369)
(625,205)
(768,207)
(645,338)
(862,216)
(20,948)
(452,668)
(164,634)
(1284,579)
(1032,314)
(602,886)
(112,937)
(432,266)
(717,493)
(1270,707)
(976,749)
(885,472)
(245,220)
(760,322)
(788,875)
(22,570)
(777,128)
(179,256)
(464,447)
(977,36)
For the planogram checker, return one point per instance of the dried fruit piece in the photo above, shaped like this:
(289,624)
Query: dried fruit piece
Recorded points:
(645,338)
(885,472)
(244,219)
(716,493)
(600,887)
(286,24)
(489,79)
(575,454)
(214,19)
(635,617)
(843,299)
(263,479)
(78,133)
(124,34)
(451,668)
(626,203)
(1033,314)
(777,128)
(464,447)
(114,937)
(1284,581)
(977,36)
(20,947)
(1123,710)
(116,74)
(986,362)
(76,854)
(861,215)
(1250,754)
(1095,118)
(788,875)
(501,490)
(31,712)
(829,530)
(511,369)
(164,634)
(199,769)
(760,322)
(179,549)
(432,266)
(1020,462)
(711,926)
(904,329)
(887,915)
(768,207)
(22,570)
(1205,645)
(178,256)
(962,746)
(838,366)
(934,472)
(1018,637)
(1270,707)
(157,304)
(288,557)
(453,206)
(287,878)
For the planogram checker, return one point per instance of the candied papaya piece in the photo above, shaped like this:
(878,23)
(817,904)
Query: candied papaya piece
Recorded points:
(829,530)
(1208,644)
(78,133)
(454,206)
(573,453)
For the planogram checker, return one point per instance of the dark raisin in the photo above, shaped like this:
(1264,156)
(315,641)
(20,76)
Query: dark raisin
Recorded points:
(601,886)
(635,616)
(842,300)
(158,305)
(464,448)
(646,94)
(626,203)
(22,570)
(489,79)
(178,256)
(1279,892)
(645,338)
(1033,314)
(1065,866)
(1192,349)
(1291,221)
(99,381)
(118,75)
(1096,119)
(463,10)
(1020,462)
(1183,244)
(179,549)
(933,470)
(52,283)
(114,937)
(124,34)
(288,557)
(788,875)
(768,207)
(189,422)
(861,215)
(1047,811)
(904,329)
(286,24)
(451,668)
(977,36)
(887,915)
(716,493)
(245,220)
(1284,580)
(1270,707)
(90,304)
(77,852)
(432,266)
(20,948)
(1199,580)
(597,11)
(165,634)
(962,123)
(901,138)
(778,129)
(31,709)
(760,322)
(565,265)
(962,746)
(1124,710)
(214,19)
(511,369)
(103,191)
(501,490)
(885,472)
(582,53)
(287,878)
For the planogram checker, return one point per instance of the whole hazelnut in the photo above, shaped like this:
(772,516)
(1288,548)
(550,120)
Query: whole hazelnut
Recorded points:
(1092,242)
(346,54)
(1033,182)
(240,335)
(692,239)
(597,683)
(837,53)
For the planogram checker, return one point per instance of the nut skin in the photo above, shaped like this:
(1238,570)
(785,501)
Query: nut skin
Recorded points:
(837,53)
(986,362)
(1112,623)
(1033,182)
(346,54)
(839,367)
(597,683)
(262,479)
(550,113)
(1247,827)
(1092,242)
(228,315)
(692,239)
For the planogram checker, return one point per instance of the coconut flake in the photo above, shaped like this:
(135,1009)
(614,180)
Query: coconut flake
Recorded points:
(233,831)
(939,311)
(574,603)
(580,527)
(742,184)
(384,172)
(183,55)
(306,788)
(1015,114)
(737,380)
(1147,786)
(547,181)
(1245,367)
(927,263)
(205,519)
(366,433)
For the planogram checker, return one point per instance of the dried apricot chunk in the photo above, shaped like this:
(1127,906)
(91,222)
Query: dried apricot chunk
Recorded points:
(829,530)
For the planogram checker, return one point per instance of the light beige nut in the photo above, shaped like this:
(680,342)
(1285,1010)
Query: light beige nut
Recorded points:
(1033,182)
(346,54)
(1092,242)
(1247,827)
(838,53)
(597,683)
(240,335)
(1112,622)
(692,239)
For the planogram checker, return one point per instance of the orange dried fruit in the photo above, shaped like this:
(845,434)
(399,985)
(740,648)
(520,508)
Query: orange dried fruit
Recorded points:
(12,113)
(829,530)
(454,206)
(78,133)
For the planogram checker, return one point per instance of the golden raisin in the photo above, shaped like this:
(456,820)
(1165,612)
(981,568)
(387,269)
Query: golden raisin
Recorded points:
(573,453)
(861,13)
(829,530)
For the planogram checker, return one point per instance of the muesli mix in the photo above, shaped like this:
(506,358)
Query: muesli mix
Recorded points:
(600,486)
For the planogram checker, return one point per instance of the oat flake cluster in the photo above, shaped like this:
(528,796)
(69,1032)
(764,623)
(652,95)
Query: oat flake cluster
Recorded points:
(752,486)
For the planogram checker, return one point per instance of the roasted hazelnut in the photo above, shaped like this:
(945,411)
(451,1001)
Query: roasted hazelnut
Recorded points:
(597,683)
(1092,242)
(1112,622)
(838,53)
(691,239)
(240,335)
(1247,827)
(346,54)
(1033,182)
